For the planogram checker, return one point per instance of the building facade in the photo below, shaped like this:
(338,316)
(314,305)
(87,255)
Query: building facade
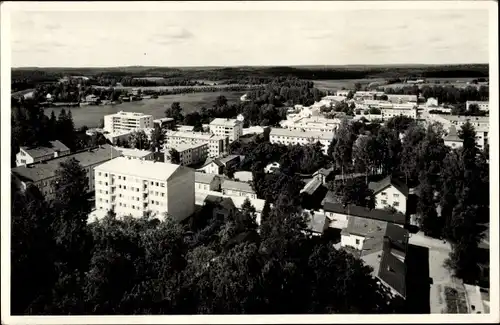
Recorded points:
(217,145)
(312,124)
(137,187)
(136,153)
(242,189)
(483,105)
(127,121)
(189,153)
(231,128)
(27,155)
(44,175)
(292,137)
(388,113)
(207,182)
(390,192)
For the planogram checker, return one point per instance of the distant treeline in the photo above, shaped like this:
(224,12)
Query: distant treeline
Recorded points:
(24,78)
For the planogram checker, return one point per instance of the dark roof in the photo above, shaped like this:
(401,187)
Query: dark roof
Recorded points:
(47,169)
(398,237)
(362,212)
(452,135)
(392,270)
(214,160)
(56,146)
(223,202)
(386,182)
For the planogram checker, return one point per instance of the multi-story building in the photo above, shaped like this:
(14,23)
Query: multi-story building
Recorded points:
(137,187)
(394,98)
(233,188)
(368,94)
(44,175)
(481,125)
(482,105)
(217,145)
(136,153)
(293,137)
(312,124)
(189,153)
(31,155)
(231,128)
(127,121)
(390,192)
(387,113)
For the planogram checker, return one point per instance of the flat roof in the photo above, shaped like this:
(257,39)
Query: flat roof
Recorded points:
(40,151)
(237,186)
(186,146)
(301,134)
(134,152)
(195,135)
(130,114)
(225,122)
(140,168)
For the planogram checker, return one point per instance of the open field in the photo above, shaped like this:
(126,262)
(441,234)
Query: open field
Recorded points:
(159,88)
(332,85)
(91,115)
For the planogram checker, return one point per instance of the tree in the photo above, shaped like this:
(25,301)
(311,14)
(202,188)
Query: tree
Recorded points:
(355,191)
(229,170)
(343,148)
(139,140)
(357,86)
(366,155)
(175,157)
(175,112)
(156,139)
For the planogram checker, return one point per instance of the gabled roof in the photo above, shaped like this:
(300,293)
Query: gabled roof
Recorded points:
(237,186)
(311,186)
(211,160)
(362,212)
(392,271)
(377,187)
(36,152)
(204,178)
(452,135)
(47,169)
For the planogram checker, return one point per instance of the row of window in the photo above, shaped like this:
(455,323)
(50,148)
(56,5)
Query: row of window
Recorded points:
(394,195)
(396,204)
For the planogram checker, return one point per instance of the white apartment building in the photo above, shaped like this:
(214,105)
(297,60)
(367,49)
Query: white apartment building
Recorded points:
(27,155)
(189,153)
(343,93)
(234,188)
(395,98)
(387,113)
(368,94)
(135,187)
(481,125)
(217,145)
(127,121)
(231,128)
(312,124)
(483,105)
(136,153)
(293,137)
(44,176)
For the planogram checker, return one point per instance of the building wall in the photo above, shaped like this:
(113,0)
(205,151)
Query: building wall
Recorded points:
(352,241)
(213,186)
(337,220)
(483,105)
(212,168)
(387,113)
(294,140)
(181,199)
(232,132)
(391,197)
(239,193)
(216,147)
(127,122)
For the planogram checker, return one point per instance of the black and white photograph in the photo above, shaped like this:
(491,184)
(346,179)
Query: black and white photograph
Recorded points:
(276,161)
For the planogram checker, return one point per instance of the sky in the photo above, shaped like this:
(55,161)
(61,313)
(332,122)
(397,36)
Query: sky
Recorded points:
(232,38)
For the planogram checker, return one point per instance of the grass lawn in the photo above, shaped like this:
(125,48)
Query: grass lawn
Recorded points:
(455,301)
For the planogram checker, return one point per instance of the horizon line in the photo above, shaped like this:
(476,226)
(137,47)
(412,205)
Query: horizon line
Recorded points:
(250,66)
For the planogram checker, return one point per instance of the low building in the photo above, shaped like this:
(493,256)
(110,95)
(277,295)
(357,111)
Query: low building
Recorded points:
(217,165)
(136,153)
(390,192)
(432,102)
(388,113)
(368,94)
(343,93)
(189,153)
(289,137)
(317,222)
(217,145)
(452,140)
(258,204)
(31,155)
(207,182)
(482,105)
(137,187)
(43,175)
(164,123)
(118,136)
(185,128)
(382,246)
(231,128)
(243,176)
(234,188)
(254,130)
(400,98)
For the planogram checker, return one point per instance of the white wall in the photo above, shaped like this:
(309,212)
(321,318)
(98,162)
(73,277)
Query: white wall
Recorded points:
(239,193)
(352,241)
(392,196)
(338,221)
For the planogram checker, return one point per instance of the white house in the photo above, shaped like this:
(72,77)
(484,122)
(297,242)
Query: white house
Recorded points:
(135,187)
(231,128)
(390,192)
(234,188)
(30,155)
(207,182)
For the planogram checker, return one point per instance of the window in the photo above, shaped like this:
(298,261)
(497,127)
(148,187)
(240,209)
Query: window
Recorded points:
(384,193)
(396,204)
(162,184)
(119,177)
(106,175)
(395,195)
(124,178)
(156,184)
(137,189)
(124,187)
(357,241)
(384,201)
